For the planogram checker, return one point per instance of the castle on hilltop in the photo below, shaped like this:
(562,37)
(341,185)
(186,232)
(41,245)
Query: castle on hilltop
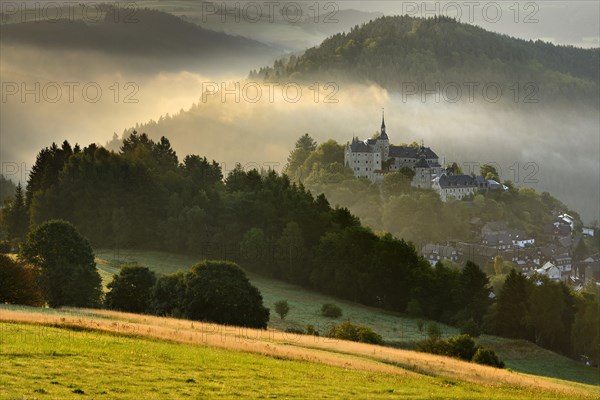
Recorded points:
(372,158)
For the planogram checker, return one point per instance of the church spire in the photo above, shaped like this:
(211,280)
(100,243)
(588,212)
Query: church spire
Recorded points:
(383,134)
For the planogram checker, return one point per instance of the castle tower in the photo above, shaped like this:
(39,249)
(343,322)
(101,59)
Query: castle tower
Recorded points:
(423,172)
(383,142)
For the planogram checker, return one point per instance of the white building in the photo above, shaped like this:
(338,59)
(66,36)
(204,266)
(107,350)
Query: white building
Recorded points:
(455,186)
(373,158)
(550,270)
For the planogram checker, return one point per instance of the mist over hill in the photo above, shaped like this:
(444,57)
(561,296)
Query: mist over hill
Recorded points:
(562,141)
(157,39)
(405,54)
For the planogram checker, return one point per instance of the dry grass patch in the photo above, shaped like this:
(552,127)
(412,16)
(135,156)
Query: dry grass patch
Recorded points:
(282,345)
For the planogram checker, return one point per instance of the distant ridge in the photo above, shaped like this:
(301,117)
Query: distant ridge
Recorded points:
(153,33)
(390,51)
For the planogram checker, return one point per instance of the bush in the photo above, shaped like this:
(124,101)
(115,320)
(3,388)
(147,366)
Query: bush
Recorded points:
(367,335)
(356,333)
(434,332)
(282,308)
(131,290)
(310,330)
(434,346)
(487,356)
(168,295)
(462,347)
(219,291)
(18,284)
(331,311)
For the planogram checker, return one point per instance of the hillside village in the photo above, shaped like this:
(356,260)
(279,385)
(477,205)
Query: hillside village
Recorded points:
(551,254)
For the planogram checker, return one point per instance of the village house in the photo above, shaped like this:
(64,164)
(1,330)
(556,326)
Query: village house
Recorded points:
(550,270)
(435,252)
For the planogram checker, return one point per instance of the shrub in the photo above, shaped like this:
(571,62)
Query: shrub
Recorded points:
(219,291)
(420,325)
(282,308)
(331,311)
(434,346)
(310,330)
(356,333)
(434,332)
(18,283)
(168,294)
(462,347)
(367,335)
(487,356)
(131,290)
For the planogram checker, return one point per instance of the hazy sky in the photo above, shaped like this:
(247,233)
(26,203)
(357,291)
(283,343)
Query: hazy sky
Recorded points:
(563,144)
(561,22)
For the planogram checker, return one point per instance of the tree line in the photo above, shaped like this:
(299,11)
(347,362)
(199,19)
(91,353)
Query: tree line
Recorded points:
(144,197)
(394,50)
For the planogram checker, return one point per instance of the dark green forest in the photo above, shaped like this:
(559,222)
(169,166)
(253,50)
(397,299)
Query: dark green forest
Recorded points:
(392,51)
(144,197)
(417,215)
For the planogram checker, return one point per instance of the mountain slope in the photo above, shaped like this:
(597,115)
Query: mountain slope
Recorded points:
(170,358)
(393,51)
(153,34)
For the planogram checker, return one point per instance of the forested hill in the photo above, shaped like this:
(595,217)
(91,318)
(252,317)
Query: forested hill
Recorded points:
(143,33)
(393,50)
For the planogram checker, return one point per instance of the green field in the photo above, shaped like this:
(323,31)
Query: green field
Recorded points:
(396,329)
(48,358)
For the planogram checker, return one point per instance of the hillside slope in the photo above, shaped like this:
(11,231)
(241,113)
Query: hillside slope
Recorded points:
(162,37)
(396,329)
(400,50)
(95,347)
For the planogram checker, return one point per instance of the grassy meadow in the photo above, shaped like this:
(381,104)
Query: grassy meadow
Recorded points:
(396,329)
(76,353)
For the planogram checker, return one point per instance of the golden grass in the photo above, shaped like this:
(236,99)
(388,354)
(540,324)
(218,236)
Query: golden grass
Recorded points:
(358,356)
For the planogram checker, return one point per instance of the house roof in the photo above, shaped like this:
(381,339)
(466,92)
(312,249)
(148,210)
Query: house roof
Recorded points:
(451,181)
(497,238)
(557,228)
(545,269)
(441,250)
(358,146)
(410,152)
